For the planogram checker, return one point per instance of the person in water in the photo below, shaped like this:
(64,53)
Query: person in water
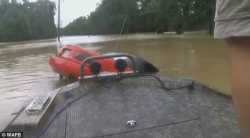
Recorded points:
(232,24)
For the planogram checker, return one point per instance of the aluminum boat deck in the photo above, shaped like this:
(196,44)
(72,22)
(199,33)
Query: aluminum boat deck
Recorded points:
(92,110)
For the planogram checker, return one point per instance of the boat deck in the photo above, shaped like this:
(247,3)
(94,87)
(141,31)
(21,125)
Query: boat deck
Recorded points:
(92,110)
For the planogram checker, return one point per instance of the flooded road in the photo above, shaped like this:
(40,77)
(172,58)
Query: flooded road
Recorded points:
(24,69)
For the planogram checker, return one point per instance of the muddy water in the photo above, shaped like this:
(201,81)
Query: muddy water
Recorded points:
(24,69)
(200,58)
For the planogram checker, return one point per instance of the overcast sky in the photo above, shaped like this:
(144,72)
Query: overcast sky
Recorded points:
(72,9)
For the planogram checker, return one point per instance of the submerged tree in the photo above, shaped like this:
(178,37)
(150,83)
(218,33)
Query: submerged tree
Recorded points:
(35,20)
(145,16)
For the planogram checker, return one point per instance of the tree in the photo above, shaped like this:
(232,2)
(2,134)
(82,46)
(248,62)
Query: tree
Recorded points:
(19,21)
(145,16)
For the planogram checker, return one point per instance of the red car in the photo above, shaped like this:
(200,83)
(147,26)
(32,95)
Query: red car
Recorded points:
(72,61)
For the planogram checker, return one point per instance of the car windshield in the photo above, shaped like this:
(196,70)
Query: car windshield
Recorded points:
(66,53)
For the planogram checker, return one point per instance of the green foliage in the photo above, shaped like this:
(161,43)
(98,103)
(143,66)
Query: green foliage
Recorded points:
(26,20)
(129,16)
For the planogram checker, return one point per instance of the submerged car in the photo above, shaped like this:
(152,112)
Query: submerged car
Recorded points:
(72,61)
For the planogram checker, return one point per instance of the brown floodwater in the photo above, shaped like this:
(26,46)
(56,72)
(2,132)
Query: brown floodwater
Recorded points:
(24,69)
(201,58)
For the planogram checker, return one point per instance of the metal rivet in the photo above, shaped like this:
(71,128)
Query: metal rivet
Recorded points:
(131,123)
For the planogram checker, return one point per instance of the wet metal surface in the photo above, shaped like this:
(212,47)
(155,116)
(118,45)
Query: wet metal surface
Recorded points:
(105,108)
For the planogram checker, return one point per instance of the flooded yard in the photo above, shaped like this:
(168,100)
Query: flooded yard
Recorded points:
(24,69)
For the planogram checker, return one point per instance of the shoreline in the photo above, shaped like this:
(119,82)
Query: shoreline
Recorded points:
(170,34)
